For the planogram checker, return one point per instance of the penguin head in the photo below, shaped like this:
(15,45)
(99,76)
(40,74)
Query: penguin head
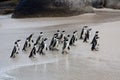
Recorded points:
(41,32)
(68,35)
(15,42)
(85,26)
(45,39)
(74,32)
(63,31)
(58,30)
(97,31)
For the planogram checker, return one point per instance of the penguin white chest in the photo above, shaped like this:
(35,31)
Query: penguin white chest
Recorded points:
(45,46)
(67,45)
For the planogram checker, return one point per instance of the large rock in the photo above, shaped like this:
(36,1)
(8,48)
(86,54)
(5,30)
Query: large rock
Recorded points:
(115,4)
(7,6)
(41,8)
(98,3)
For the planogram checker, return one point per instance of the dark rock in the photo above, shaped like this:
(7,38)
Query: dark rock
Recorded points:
(3,0)
(115,4)
(44,8)
(98,3)
(7,7)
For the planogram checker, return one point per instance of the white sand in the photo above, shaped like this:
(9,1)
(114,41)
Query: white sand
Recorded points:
(80,64)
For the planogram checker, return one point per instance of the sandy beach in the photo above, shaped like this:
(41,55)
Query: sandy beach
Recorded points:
(80,64)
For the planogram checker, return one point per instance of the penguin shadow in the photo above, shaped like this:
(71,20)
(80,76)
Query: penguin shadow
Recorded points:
(65,53)
(15,59)
(55,52)
(34,59)
(27,50)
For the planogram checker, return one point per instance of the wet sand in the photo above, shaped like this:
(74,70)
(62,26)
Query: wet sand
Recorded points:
(80,64)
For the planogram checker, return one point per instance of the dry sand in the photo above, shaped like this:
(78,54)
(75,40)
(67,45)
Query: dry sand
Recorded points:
(80,64)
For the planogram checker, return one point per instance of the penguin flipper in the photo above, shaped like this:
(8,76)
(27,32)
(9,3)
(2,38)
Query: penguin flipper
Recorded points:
(46,48)
(68,48)
(12,55)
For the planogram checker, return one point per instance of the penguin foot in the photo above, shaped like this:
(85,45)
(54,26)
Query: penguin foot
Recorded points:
(81,38)
(43,53)
(85,41)
(96,50)
(62,52)
(31,57)
(73,45)
(12,56)
(57,49)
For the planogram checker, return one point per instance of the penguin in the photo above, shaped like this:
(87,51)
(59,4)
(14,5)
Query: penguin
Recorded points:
(83,32)
(87,35)
(42,47)
(39,38)
(52,42)
(96,35)
(25,45)
(95,42)
(55,44)
(33,52)
(28,42)
(61,38)
(15,49)
(73,38)
(66,46)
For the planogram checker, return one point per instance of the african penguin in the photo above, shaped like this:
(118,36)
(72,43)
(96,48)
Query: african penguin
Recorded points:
(66,46)
(33,52)
(15,49)
(42,47)
(83,32)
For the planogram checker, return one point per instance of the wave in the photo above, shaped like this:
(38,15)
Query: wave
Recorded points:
(5,76)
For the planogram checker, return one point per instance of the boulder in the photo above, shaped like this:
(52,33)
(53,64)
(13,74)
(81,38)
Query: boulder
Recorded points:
(48,8)
(7,6)
(114,4)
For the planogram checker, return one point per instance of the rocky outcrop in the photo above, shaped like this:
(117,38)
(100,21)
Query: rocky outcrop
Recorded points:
(115,4)
(7,6)
(41,8)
